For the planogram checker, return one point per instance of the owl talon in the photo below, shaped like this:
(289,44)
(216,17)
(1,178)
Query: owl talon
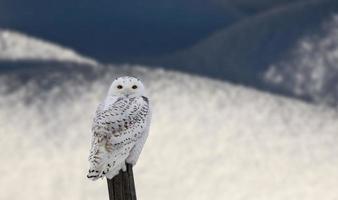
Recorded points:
(124,167)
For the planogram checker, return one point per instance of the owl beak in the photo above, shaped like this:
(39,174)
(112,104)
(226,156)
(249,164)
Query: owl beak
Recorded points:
(128,94)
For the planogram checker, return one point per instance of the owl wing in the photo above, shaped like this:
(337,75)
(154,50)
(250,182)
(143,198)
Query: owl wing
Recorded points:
(115,132)
(137,148)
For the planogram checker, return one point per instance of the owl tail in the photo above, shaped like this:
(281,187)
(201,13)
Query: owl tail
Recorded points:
(108,169)
(97,160)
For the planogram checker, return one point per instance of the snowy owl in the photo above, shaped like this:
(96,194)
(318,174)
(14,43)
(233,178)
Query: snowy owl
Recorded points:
(120,128)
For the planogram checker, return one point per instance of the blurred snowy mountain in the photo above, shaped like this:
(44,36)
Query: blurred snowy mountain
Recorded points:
(117,30)
(245,42)
(250,45)
(310,70)
(208,140)
(120,30)
(16,46)
(244,52)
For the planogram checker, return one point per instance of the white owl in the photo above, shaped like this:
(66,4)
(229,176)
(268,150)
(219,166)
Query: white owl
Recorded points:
(120,128)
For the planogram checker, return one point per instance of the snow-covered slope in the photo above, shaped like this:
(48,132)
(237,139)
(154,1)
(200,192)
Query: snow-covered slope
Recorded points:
(208,140)
(16,46)
(310,70)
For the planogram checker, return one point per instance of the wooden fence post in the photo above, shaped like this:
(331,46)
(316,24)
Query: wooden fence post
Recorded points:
(122,186)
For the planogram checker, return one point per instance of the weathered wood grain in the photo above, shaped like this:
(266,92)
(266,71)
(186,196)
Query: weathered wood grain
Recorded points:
(122,186)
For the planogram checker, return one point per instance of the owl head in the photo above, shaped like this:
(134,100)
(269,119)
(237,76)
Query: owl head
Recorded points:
(126,86)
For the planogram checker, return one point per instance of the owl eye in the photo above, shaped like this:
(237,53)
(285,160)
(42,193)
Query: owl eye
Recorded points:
(134,87)
(119,87)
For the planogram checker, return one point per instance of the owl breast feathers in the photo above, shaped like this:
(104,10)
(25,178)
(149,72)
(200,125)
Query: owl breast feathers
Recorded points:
(119,132)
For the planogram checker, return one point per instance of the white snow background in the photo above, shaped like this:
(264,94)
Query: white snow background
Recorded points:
(208,140)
